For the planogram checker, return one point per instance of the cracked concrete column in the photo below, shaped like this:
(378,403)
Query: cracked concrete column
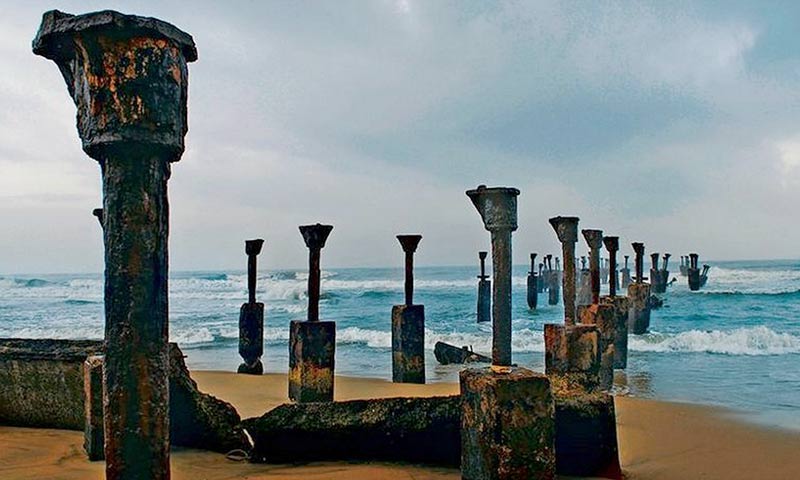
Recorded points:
(251,316)
(408,325)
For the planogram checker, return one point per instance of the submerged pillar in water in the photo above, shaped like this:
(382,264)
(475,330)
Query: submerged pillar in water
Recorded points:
(484,292)
(625,274)
(408,324)
(693,272)
(639,297)
(507,421)
(620,305)
(553,283)
(312,343)
(533,284)
(128,77)
(600,315)
(251,316)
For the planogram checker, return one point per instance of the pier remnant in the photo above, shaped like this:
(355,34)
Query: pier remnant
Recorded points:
(665,272)
(128,77)
(312,343)
(625,273)
(507,421)
(697,279)
(533,281)
(553,283)
(484,292)
(658,283)
(251,316)
(620,305)
(639,296)
(408,325)
(584,284)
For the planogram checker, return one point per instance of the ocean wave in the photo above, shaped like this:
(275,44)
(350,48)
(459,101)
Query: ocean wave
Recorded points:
(742,341)
(736,281)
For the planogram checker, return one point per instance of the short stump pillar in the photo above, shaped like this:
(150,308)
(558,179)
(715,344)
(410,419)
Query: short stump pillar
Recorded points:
(408,344)
(620,305)
(507,425)
(573,351)
(312,348)
(604,317)
(93,438)
(251,338)
(638,308)
(485,301)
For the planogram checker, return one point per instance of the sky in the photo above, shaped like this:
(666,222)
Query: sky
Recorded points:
(672,123)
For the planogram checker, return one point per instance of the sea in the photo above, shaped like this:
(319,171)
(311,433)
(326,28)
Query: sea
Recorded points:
(735,343)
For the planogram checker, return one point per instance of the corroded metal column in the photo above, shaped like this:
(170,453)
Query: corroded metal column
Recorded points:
(408,325)
(128,78)
(498,209)
(507,412)
(312,343)
(626,274)
(533,283)
(484,292)
(612,245)
(566,229)
(251,316)
(639,296)
(594,239)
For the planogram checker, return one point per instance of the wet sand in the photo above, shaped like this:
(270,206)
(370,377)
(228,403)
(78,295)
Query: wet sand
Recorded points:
(658,440)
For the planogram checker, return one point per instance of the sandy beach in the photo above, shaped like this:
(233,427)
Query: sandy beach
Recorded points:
(658,440)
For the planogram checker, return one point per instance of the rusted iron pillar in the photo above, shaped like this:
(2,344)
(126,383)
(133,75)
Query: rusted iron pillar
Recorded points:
(484,292)
(620,305)
(498,209)
(594,239)
(533,281)
(693,272)
(655,273)
(312,343)
(251,316)
(566,229)
(408,325)
(612,245)
(507,420)
(128,77)
(639,296)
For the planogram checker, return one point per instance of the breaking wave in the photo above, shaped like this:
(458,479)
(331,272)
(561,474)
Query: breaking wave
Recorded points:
(742,341)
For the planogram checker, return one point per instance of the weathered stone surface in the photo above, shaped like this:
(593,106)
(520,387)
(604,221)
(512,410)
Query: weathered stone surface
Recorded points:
(312,348)
(41,382)
(585,288)
(424,430)
(42,385)
(507,425)
(484,301)
(553,287)
(408,344)
(573,350)
(638,308)
(586,431)
(447,354)
(604,317)
(620,305)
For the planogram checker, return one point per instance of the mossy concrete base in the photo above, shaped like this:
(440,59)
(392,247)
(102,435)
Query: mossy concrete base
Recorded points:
(573,350)
(312,349)
(603,316)
(638,308)
(408,344)
(507,425)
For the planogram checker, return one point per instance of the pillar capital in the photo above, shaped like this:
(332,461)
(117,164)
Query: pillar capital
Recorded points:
(594,238)
(315,235)
(497,206)
(127,76)
(409,242)
(253,247)
(566,228)
(611,244)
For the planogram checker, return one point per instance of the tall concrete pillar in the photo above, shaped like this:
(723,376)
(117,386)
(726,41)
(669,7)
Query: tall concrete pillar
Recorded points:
(484,292)
(566,229)
(625,274)
(554,283)
(620,305)
(408,325)
(312,343)
(693,272)
(507,421)
(251,316)
(128,77)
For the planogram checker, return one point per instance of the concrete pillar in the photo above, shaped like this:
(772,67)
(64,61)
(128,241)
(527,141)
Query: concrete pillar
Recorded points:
(128,77)
(540,284)
(507,421)
(619,304)
(93,438)
(665,272)
(533,282)
(312,343)
(554,283)
(408,325)
(693,272)
(566,229)
(251,316)
(639,296)
(573,351)
(484,292)
(655,274)
(594,239)
(612,245)
(626,275)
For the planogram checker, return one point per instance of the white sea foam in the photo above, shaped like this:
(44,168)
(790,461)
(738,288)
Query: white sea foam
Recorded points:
(751,281)
(741,341)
